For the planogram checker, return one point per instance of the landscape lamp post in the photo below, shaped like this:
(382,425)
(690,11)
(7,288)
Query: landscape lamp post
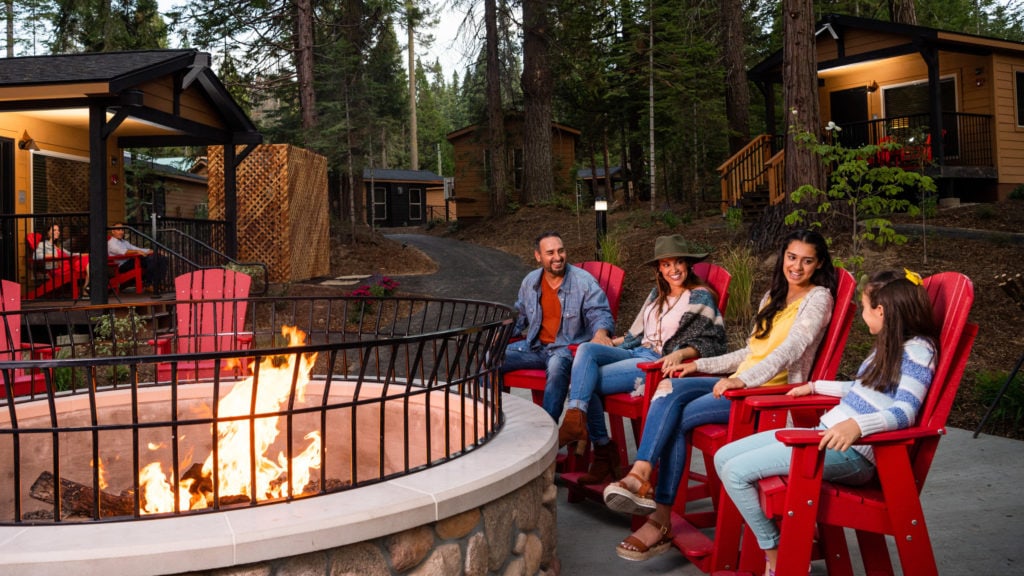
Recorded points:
(601,210)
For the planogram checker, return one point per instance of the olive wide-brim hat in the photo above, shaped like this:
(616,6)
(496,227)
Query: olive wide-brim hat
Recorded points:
(675,246)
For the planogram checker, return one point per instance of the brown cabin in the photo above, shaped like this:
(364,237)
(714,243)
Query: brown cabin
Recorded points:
(471,198)
(954,101)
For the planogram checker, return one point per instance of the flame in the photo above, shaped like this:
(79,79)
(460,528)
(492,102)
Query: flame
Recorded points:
(102,475)
(234,456)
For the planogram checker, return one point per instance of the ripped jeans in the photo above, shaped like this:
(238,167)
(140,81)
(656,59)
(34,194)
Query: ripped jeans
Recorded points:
(599,370)
(673,414)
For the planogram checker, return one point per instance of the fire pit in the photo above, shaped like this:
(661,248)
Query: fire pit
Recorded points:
(330,400)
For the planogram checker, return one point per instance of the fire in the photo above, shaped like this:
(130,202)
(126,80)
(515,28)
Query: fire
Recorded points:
(234,463)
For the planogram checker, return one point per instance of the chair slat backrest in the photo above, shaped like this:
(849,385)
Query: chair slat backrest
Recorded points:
(10,321)
(213,325)
(830,351)
(718,279)
(952,295)
(610,278)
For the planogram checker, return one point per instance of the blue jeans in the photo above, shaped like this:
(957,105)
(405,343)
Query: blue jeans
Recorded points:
(671,417)
(599,370)
(556,364)
(742,463)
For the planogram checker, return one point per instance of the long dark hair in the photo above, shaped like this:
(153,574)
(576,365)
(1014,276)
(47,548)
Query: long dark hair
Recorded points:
(824,276)
(692,281)
(907,312)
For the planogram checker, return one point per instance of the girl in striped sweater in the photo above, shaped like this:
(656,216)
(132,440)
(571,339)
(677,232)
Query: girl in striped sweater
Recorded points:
(889,390)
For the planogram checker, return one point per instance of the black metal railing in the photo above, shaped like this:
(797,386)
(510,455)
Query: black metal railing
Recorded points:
(96,399)
(967,138)
(188,254)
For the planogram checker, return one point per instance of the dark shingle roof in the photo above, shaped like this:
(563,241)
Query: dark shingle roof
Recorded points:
(87,67)
(402,175)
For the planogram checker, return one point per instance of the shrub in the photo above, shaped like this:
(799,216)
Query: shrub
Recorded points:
(734,218)
(611,250)
(1017,193)
(742,265)
(378,286)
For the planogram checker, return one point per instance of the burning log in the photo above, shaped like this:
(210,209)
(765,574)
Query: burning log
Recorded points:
(78,499)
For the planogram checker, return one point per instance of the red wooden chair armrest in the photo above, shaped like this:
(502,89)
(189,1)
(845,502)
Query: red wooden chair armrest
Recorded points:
(791,437)
(39,351)
(650,366)
(162,344)
(244,339)
(811,401)
(738,393)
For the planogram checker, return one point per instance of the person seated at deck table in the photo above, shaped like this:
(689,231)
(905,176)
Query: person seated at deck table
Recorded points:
(59,262)
(154,266)
(681,313)
(791,320)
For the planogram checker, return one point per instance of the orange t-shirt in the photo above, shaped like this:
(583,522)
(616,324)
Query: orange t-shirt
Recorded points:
(551,313)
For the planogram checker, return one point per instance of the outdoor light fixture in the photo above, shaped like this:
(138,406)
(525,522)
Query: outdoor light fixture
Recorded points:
(873,87)
(601,210)
(28,144)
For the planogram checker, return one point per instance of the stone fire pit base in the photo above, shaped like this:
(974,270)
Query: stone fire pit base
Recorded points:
(492,511)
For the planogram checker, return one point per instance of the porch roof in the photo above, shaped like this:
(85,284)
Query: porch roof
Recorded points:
(167,97)
(911,40)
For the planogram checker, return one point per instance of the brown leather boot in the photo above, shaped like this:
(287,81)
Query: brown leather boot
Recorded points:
(574,428)
(603,466)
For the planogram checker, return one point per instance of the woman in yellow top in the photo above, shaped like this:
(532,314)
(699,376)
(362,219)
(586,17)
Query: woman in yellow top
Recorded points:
(789,324)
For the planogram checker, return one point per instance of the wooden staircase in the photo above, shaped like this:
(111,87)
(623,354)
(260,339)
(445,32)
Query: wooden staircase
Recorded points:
(753,178)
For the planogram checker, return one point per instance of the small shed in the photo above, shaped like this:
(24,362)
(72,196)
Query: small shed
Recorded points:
(403,197)
(595,182)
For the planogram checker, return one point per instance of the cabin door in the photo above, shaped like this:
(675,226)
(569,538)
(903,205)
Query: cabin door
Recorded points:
(8,235)
(850,110)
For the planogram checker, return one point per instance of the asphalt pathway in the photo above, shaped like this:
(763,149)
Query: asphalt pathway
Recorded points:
(973,499)
(465,270)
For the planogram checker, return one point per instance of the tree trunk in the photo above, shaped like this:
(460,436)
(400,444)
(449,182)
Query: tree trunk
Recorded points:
(414,145)
(538,172)
(304,62)
(9,13)
(495,115)
(737,89)
(800,92)
(902,11)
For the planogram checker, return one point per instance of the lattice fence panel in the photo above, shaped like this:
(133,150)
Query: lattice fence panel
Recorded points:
(282,209)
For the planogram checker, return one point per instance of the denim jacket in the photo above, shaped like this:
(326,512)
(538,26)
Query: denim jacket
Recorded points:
(584,311)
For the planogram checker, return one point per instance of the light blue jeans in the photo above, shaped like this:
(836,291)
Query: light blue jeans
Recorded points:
(557,365)
(742,463)
(599,370)
(671,417)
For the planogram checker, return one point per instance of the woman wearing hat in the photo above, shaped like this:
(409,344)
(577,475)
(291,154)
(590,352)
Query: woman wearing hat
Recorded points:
(680,316)
(789,324)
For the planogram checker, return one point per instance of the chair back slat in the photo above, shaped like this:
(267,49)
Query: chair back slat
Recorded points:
(10,321)
(830,351)
(951,295)
(718,279)
(610,278)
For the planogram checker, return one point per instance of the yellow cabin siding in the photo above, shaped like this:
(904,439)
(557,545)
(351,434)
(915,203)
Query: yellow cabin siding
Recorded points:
(1008,135)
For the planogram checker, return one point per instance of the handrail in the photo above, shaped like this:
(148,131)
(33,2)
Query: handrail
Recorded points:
(744,171)
(204,251)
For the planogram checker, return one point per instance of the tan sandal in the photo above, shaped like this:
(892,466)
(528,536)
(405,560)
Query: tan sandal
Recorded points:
(620,498)
(632,548)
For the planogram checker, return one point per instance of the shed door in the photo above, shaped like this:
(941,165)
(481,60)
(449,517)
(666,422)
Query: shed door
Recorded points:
(399,206)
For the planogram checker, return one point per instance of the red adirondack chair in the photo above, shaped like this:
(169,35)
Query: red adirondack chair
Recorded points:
(609,277)
(704,552)
(49,279)
(117,277)
(634,408)
(17,382)
(210,316)
(891,505)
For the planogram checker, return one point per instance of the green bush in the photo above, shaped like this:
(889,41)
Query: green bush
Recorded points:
(734,218)
(611,250)
(1017,193)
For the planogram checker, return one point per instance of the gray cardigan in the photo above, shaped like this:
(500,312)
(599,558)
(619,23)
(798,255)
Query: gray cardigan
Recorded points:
(795,354)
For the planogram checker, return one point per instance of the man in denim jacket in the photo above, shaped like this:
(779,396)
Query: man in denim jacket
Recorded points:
(558,304)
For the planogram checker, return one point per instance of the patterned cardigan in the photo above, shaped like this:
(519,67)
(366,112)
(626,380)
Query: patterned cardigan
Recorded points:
(701,326)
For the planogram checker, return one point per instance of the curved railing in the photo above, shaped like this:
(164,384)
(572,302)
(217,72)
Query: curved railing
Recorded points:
(134,411)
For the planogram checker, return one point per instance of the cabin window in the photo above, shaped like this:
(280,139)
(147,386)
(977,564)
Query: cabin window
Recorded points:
(380,204)
(1019,77)
(415,204)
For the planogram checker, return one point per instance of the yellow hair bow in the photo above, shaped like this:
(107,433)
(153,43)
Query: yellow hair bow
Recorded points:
(913,277)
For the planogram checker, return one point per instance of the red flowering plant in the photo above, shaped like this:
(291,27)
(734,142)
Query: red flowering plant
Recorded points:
(377,286)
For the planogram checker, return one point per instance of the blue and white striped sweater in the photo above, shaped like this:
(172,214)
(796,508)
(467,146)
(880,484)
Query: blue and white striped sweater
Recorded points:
(878,411)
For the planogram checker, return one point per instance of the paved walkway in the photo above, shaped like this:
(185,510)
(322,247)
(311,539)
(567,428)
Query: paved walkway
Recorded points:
(973,499)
